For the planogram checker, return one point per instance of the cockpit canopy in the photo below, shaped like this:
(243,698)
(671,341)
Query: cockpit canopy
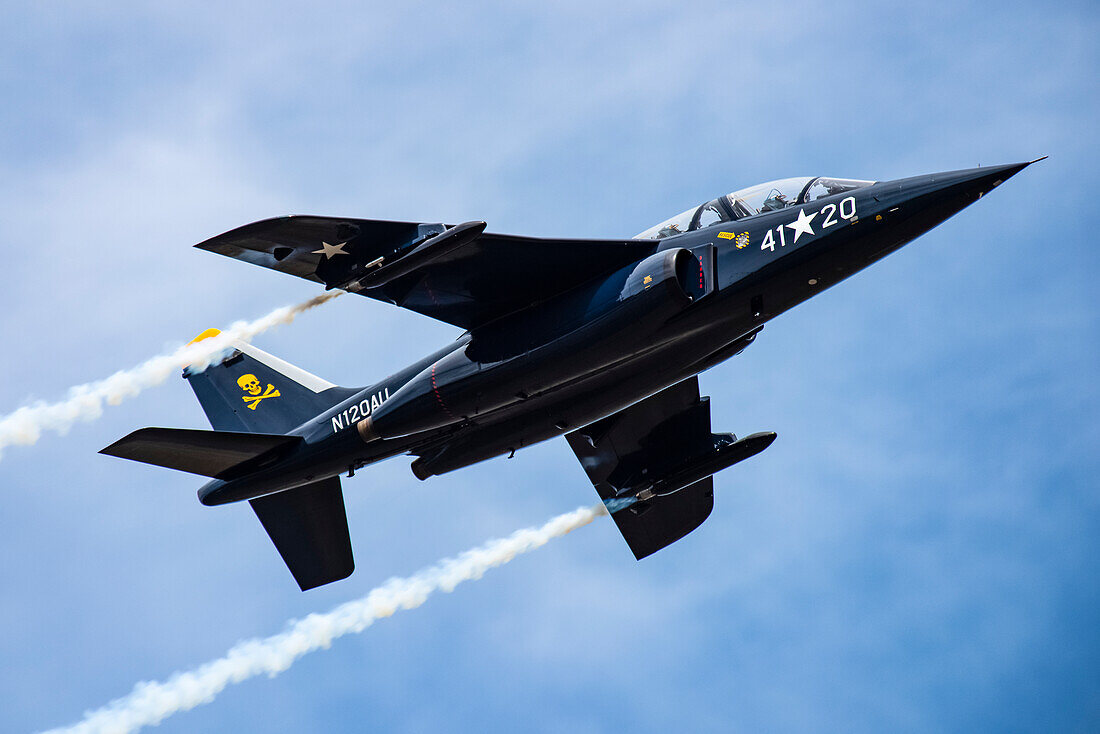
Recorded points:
(766,197)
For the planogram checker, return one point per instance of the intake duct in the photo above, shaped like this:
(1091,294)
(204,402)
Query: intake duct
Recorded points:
(677,265)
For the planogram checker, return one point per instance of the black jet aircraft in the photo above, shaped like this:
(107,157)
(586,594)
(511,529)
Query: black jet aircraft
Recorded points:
(599,340)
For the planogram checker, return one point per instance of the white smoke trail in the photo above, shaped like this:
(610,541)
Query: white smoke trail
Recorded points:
(24,426)
(150,703)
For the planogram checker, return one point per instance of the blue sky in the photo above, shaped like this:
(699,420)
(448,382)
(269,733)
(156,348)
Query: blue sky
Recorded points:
(918,550)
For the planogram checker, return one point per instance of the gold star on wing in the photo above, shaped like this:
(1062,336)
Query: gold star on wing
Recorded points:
(802,224)
(331,251)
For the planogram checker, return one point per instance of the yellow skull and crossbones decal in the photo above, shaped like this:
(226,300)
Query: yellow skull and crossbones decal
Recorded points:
(255,391)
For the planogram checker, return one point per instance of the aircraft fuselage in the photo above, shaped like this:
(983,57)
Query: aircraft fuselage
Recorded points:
(566,362)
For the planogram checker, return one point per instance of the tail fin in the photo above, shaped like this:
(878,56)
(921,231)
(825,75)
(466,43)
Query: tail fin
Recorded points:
(252,391)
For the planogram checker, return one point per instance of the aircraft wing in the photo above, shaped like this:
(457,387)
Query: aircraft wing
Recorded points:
(637,447)
(460,274)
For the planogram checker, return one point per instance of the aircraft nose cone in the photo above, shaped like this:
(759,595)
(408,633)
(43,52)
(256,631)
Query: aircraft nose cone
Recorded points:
(916,205)
(980,180)
(965,186)
(909,207)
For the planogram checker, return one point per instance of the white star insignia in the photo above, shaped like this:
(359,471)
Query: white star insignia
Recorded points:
(802,224)
(331,251)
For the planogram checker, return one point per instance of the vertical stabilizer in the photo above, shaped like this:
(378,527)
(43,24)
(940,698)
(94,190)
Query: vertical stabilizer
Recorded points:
(253,391)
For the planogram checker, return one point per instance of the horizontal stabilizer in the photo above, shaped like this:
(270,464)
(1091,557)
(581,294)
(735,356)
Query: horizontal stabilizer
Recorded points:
(310,530)
(207,453)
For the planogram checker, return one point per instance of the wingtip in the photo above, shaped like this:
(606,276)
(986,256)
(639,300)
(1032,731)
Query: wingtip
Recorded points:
(112,449)
(306,585)
(117,446)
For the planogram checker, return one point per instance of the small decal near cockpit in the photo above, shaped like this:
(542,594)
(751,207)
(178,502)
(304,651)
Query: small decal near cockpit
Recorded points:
(740,240)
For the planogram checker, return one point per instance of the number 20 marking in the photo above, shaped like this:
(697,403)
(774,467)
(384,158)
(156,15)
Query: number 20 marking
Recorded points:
(848,200)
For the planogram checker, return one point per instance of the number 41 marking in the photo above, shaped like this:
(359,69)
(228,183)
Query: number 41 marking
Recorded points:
(769,239)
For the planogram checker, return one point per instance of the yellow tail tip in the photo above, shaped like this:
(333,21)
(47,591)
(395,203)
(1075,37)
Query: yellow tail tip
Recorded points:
(205,335)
